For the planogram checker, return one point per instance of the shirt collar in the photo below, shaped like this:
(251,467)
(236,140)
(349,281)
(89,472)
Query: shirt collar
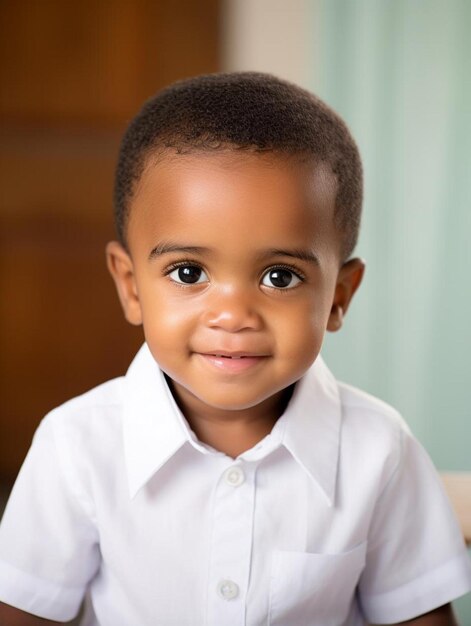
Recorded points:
(312,426)
(154,428)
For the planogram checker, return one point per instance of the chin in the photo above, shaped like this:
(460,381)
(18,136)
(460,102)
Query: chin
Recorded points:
(226,404)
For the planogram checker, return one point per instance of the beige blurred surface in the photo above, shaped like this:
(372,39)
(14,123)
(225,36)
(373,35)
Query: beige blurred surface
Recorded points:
(458,487)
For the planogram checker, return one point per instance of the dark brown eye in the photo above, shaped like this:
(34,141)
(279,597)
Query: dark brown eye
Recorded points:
(188,275)
(280,278)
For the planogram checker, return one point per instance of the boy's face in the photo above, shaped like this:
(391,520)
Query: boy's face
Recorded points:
(234,270)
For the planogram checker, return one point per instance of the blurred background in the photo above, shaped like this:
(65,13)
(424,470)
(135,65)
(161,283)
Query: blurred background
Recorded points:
(73,74)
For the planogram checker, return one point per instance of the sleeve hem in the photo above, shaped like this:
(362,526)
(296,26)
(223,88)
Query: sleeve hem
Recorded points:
(40,597)
(436,588)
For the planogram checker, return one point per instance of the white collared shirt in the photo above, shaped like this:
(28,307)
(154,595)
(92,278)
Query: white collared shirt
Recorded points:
(335,517)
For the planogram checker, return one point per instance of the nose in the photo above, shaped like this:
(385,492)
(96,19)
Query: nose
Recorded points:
(233,311)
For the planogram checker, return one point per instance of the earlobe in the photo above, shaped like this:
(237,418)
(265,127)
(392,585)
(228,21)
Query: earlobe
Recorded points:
(348,281)
(121,268)
(335,318)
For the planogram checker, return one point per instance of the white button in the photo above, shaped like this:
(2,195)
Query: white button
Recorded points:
(234,476)
(228,590)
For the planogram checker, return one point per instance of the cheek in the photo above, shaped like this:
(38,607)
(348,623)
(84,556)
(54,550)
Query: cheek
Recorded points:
(301,328)
(165,321)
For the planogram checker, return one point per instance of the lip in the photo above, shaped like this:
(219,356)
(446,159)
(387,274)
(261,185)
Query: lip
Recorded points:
(232,362)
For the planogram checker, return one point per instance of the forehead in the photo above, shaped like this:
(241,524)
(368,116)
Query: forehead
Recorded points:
(248,195)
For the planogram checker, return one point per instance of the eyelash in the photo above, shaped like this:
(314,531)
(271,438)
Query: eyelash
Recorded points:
(184,263)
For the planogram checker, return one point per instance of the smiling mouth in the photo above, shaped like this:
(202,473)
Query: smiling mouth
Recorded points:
(233,355)
(235,362)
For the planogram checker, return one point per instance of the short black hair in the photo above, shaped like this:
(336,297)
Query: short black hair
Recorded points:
(242,110)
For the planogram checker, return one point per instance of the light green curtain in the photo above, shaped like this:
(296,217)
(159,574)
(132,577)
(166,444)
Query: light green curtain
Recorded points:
(399,72)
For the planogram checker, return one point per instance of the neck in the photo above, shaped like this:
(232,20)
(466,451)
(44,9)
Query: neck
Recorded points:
(231,431)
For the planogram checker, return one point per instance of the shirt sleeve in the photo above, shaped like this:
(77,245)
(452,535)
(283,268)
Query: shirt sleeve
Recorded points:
(48,542)
(416,559)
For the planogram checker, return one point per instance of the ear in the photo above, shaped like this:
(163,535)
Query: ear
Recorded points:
(121,269)
(348,281)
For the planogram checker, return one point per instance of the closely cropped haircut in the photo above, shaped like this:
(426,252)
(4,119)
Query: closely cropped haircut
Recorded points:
(242,111)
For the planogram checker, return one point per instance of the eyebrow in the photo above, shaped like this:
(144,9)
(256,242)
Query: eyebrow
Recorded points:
(302,255)
(168,247)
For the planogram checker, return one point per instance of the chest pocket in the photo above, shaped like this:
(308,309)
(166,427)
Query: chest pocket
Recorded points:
(313,589)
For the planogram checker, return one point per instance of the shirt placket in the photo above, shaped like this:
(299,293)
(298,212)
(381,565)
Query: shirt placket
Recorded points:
(231,545)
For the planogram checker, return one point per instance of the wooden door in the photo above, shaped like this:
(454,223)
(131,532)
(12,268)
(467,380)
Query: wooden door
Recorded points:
(71,75)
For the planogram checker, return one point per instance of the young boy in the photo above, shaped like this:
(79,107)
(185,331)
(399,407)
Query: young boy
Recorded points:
(228,479)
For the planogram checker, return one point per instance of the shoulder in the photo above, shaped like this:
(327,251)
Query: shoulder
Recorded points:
(373,431)
(108,394)
(103,401)
(365,410)
(359,410)
(88,426)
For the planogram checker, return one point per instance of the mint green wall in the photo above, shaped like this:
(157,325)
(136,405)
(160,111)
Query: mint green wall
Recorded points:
(398,71)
